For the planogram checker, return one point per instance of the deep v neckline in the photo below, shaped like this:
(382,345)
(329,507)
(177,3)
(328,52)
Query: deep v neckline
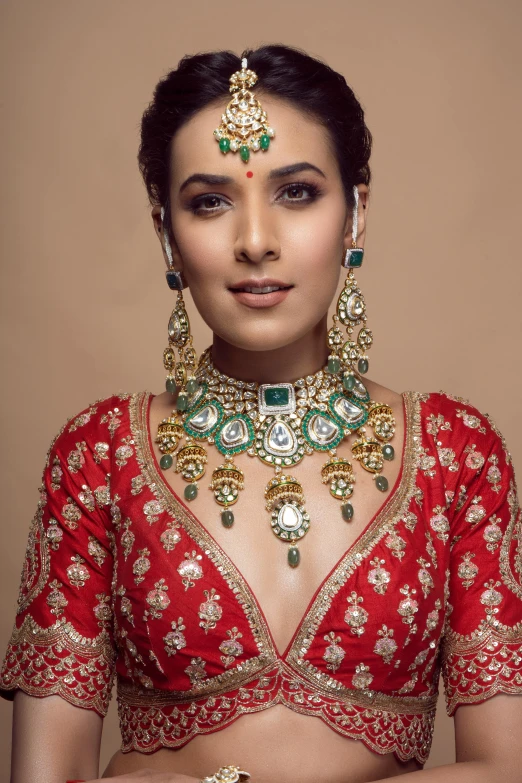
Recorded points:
(379,523)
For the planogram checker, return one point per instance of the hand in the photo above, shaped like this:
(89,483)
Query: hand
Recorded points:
(147,776)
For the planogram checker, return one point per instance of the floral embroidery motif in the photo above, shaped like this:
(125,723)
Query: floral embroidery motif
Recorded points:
(355,616)
(430,549)
(124,452)
(137,484)
(494,475)
(196,671)
(378,576)
(407,610)
(474,460)
(100,452)
(424,576)
(447,458)
(152,509)
(473,422)
(56,474)
(76,460)
(362,677)
(170,536)
(493,533)
(189,569)
(82,419)
(125,605)
(396,544)
(491,599)
(175,639)
(385,646)
(231,648)
(475,512)
(334,654)
(410,521)
(87,498)
(102,495)
(96,551)
(440,524)
(435,423)
(141,565)
(102,610)
(463,496)
(78,573)
(432,620)
(467,570)
(54,534)
(71,513)
(113,419)
(115,512)
(127,539)
(56,599)
(209,611)
(427,463)
(158,600)
(409,686)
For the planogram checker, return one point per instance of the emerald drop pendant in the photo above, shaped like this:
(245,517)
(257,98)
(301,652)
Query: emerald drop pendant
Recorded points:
(166,461)
(362,366)
(191,491)
(388,452)
(264,141)
(381,482)
(293,556)
(182,402)
(192,386)
(224,144)
(170,385)
(347,512)
(227,518)
(349,382)
(244,152)
(334,364)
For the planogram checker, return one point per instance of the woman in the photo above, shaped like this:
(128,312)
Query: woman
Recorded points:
(356,541)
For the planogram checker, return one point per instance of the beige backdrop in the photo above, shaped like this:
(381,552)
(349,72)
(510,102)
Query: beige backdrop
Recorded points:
(84,300)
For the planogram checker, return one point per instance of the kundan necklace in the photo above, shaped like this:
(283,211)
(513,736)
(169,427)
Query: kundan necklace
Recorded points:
(279,424)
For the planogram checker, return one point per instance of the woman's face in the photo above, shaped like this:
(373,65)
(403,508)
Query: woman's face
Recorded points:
(254,226)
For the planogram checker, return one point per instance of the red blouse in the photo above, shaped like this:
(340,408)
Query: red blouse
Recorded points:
(121,579)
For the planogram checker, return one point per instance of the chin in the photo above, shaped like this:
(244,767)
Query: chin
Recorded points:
(267,338)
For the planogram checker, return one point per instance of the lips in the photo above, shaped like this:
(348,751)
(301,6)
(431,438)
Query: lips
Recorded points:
(263,285)
(263,292)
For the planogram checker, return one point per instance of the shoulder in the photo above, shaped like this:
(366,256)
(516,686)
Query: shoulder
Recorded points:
(93,427)
(454,418)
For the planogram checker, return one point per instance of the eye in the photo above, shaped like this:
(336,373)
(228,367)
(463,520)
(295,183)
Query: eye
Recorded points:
(203,204)
(299,187)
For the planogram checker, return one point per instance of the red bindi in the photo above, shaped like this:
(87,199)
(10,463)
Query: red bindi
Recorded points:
(250,173)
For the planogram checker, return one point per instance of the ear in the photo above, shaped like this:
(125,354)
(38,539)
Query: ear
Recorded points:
(160,232)
(362,212)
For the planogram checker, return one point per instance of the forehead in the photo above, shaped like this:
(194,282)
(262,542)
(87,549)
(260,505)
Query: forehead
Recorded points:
(297,137)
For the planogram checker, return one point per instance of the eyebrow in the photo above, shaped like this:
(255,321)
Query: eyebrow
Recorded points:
(221,179)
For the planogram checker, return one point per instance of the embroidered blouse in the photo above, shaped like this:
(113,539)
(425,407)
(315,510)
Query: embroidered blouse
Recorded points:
(120,580)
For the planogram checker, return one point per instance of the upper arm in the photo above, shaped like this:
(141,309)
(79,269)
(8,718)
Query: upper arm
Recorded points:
(490,732)
(53,740)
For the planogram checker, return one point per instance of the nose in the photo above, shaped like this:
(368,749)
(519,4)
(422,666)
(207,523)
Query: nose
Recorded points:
(256,239)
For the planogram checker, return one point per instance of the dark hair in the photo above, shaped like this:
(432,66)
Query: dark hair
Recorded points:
(283,71)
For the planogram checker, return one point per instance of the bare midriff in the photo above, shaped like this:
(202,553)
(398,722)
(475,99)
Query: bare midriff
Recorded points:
(276,744)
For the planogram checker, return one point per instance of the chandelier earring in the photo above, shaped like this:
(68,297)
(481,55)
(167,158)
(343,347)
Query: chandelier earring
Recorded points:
(180,361)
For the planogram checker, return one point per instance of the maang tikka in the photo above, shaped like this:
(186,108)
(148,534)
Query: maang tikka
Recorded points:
(279,423)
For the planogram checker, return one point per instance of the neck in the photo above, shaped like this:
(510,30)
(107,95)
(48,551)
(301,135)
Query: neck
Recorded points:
(303,357)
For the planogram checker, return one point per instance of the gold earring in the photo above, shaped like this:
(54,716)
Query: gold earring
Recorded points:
(351,312)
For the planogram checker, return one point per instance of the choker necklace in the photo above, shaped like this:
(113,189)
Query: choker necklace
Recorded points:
(280,424)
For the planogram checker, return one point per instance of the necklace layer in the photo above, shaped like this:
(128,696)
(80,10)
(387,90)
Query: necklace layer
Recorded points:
(279,424)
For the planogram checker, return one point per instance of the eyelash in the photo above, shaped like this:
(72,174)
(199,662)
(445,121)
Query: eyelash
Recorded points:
(314,191)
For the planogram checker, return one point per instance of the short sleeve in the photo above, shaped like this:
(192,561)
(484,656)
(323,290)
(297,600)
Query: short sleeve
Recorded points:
(62,641)
(481,653)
